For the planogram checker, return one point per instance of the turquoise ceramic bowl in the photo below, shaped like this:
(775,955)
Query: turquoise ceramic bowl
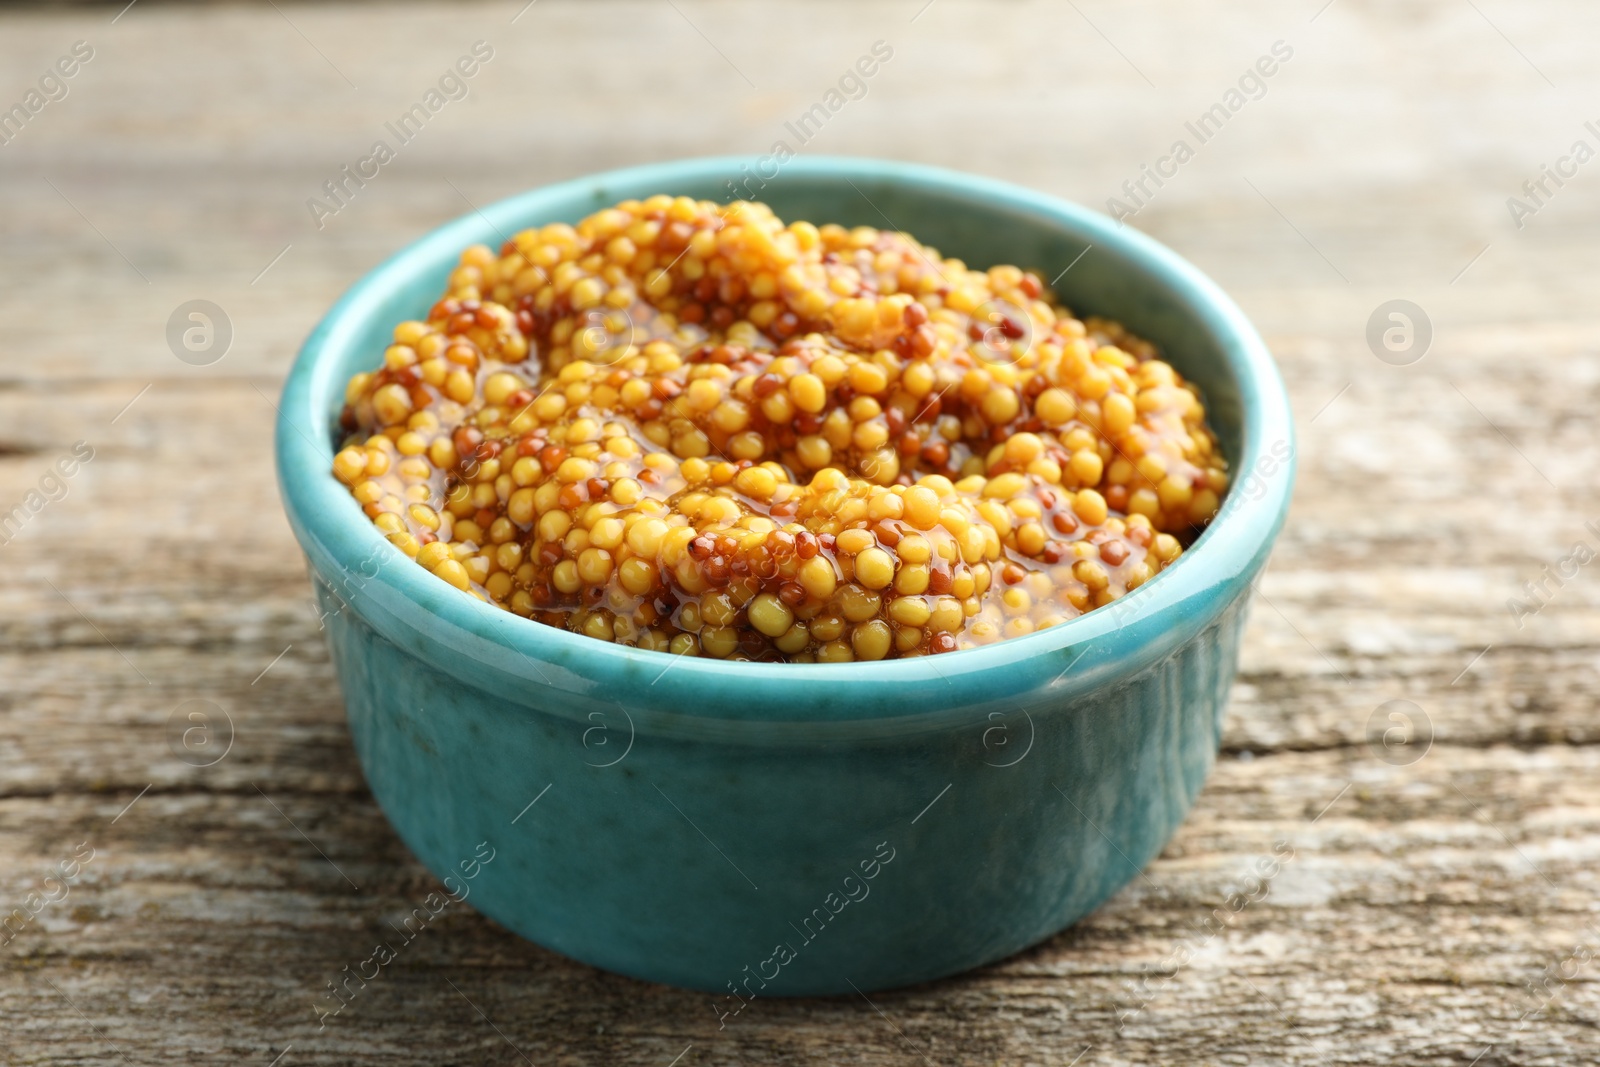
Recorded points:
(757,829)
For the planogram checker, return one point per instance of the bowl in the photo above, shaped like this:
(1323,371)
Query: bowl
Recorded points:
(765,829)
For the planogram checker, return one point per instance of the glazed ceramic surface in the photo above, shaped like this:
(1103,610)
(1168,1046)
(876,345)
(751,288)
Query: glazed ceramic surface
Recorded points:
(758,829)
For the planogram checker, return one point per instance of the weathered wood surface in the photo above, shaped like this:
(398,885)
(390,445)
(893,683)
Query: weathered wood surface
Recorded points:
(1430,908)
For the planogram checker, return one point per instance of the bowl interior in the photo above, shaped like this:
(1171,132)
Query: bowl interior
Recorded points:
(1098,268)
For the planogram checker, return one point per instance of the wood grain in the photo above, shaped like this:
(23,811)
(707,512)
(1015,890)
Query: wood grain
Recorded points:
(1438,912)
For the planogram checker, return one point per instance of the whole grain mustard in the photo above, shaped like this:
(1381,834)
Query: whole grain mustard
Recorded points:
(692,428)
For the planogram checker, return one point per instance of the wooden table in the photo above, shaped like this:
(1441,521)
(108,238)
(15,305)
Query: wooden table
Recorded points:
(1440,906)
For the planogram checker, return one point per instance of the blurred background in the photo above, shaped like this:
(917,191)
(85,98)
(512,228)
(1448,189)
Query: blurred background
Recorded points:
(1441,905)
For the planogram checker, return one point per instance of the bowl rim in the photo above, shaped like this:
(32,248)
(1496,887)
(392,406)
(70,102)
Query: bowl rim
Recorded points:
(511,655)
